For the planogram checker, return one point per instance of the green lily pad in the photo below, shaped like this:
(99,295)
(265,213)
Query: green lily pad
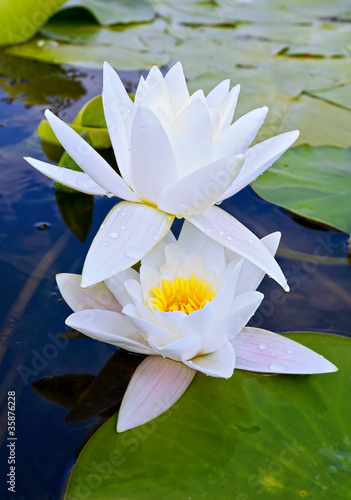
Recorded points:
(312,182)
(23,18)
(77,212)
(108,12)
(251,436)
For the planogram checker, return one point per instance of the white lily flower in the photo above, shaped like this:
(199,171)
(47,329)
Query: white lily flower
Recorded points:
(178,156)
(187,310)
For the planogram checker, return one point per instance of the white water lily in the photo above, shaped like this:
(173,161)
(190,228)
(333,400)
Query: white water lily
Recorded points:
(187,310)
(178,156)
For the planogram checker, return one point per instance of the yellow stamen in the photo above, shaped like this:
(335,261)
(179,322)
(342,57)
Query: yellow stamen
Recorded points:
(181,295)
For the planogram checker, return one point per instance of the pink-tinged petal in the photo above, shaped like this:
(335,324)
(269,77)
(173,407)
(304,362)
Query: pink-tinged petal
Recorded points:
(191,137)
(155,386)
(259,158)
(220,363)
(153,164)
(110,327)
(227,108)
(78,298)
(177,88)
(200,189)
(89,160)
(263,351)
(218,94)
(229,232)
(238,137)
(148,329)
(76,180)
(180,350)
(117,108)
(128,233)
(251,275)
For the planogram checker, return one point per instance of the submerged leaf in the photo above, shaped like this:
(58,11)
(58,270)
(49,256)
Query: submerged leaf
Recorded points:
(77,211)
(63,390)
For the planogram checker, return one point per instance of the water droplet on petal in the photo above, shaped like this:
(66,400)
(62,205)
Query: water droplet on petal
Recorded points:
(250,240)
(221,233)
(262,347)
(239,237)
(123,227)
(290,351)
(134,253)
(278,367)
(113,235)
(229,238)
(123,214)
(109,195)
(208,229)
(105,243)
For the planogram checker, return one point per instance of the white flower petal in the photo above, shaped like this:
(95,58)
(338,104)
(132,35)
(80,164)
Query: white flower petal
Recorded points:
(89,160)
(155,386)
(229,232)
(263,351)
(76,180)
(213,256)
(218,94)
(201,324)
(238,137)
(227,108)
(117,107)
(149,278)
(110,327)
(148,329)
(200,189)
(153,164)
(190,238)
(179,350)
(251,275)
(224,297)
(191,137)
(177,88)
(243,307)
(78,299)
(220,363)
(116,285)
(259,158)
(129,232)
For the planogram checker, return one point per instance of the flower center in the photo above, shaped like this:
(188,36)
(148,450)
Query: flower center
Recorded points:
(181,295)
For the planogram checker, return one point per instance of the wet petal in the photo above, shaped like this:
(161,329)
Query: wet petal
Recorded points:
(216,364)
(229,232)
(129,232)
(263,351)
(155,386)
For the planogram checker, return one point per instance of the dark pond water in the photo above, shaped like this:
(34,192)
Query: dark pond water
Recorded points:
(35,244)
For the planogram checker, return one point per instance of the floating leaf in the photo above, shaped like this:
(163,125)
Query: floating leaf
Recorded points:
(247,437)
(312,182)
(23,18)
(114,11)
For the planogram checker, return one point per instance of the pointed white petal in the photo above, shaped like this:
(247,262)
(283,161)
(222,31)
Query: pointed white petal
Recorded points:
(190,238)
(129,232)
(179,350)
(218,94)
(263,351)
(200,189)
(259,158)
(223,300)
(155,386)
(220,363)
(89,160)
(177,88)
(76,180)
(191,137)
(78,299)
(116,285)
(251,275)
(110,327)
(227,108)
(148,329)
(153,165)
(149,279)
(229,232)
(238,137)
(117,107)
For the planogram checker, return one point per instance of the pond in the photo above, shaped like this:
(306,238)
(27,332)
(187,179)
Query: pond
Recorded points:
(36,244)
